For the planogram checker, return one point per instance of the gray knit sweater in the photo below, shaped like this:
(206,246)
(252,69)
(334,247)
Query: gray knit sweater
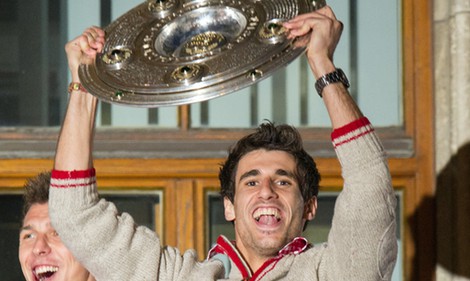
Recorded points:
(361,245)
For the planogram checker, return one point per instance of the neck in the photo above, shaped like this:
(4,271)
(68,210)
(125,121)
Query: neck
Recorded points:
(255,258)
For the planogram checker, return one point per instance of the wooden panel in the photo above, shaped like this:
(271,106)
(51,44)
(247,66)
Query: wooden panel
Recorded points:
(419,112)
(184,215)
(145,172)
(14,172)
(202,188)
(185,183)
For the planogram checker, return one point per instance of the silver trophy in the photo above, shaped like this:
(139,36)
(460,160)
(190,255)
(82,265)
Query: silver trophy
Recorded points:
(174,52)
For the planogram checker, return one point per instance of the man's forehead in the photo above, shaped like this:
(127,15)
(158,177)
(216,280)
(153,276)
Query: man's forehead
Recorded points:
(37,217)
(260,160)
(40,225)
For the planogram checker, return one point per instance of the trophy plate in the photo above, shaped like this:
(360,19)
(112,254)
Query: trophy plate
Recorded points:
(170,52)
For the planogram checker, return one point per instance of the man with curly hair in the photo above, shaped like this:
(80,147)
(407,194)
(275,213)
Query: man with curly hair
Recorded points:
(269,184)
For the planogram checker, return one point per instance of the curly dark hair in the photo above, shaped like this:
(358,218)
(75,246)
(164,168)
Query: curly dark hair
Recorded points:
(269,136)
(36,191)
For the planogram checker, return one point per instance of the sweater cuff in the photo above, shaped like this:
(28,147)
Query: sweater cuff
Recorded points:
(357,146)
(70,179)
(351,131)
(60,175)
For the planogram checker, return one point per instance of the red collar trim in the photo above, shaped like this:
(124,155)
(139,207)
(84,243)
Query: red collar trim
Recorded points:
(295,247)
(224,246)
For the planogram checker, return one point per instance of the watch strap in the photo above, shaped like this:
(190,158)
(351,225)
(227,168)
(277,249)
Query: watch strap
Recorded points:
(336,76)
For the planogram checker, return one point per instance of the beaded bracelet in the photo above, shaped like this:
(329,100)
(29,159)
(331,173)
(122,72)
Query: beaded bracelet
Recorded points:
(75,86)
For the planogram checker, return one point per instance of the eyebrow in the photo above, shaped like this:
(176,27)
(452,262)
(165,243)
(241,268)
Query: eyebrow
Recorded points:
(282,172)
(26,227)
(250,173)
(279,172)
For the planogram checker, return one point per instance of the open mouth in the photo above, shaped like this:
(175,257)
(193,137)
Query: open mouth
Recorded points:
(44,273)
(267,216)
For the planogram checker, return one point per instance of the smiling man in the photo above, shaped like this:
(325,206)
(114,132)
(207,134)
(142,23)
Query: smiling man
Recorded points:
(267,209)
(269,185)
(43,256)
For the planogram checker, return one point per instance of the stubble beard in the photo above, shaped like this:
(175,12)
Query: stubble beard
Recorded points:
(267,247)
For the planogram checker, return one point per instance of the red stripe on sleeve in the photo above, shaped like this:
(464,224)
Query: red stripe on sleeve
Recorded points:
(341,131)
(56,174)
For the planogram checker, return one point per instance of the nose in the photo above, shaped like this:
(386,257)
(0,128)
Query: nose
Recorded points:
(267,190)
(41,246)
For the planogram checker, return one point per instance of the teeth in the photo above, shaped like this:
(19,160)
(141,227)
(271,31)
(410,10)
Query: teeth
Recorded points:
(266,212)
(45,268)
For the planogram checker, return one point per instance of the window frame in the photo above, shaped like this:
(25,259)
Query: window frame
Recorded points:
(187,156)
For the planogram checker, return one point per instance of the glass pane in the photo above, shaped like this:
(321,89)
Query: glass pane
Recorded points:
(217,224)
(370,59)
(125,116)
(33,70)
(11,208)
(316,231)
(145,208)
(101,13)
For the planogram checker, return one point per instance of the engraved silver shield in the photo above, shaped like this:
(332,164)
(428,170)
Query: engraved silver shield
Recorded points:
(173,52)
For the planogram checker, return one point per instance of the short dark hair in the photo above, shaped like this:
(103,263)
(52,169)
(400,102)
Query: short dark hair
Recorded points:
(36,191)
(270,137)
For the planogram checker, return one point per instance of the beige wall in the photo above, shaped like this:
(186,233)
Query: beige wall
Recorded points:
(452,121)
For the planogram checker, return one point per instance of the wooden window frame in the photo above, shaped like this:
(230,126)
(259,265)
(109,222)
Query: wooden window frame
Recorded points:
(187,159)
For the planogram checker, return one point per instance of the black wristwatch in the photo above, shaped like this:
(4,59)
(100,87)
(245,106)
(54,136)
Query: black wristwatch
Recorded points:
(330,78)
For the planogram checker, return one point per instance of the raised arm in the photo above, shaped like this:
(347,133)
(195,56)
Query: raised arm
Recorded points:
(108,243)
(325,31)
(74,148)
(362,241)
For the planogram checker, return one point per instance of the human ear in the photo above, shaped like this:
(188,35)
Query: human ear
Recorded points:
(310,209)
(229,209)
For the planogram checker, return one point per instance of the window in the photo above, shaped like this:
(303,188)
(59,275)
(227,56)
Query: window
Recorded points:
(36,64)
(11,207)
(182,147)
